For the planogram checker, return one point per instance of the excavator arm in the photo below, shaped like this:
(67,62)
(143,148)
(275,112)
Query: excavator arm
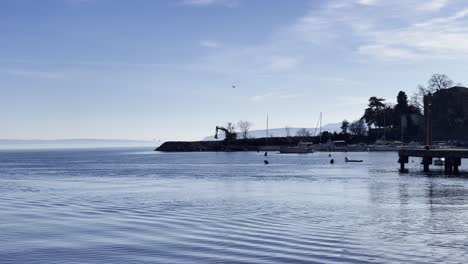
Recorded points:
(229,135)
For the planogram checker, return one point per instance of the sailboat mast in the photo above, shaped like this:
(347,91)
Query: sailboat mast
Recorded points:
(266,138)
(316,126)
(320,131)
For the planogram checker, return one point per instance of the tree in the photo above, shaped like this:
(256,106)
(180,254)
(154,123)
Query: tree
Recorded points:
(436,82)
(439,81)
(376,102)
(358,128)
(417,99)
(400,109)
(303,132)
(387,118)
(231,127)
(325,136)
(402,101)
(344,126)
(288,131)
(373,114)
(244,127)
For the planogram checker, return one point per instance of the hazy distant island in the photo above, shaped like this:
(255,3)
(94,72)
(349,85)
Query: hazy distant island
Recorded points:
(441,105)
(71,143)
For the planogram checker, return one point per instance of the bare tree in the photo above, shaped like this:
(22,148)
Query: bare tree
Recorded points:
(244,127)
(439,81)
(436,82)
(358,128)
(303,132)
(417,99)
(231,127)
(288,131)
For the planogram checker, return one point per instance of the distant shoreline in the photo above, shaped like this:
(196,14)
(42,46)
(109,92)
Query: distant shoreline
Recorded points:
(13,144)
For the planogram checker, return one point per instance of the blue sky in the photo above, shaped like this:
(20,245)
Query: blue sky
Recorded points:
(146,69)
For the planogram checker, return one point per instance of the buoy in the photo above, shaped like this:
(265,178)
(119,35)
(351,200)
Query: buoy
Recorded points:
(266,162)
(266,154)
(332,161)
(329,155)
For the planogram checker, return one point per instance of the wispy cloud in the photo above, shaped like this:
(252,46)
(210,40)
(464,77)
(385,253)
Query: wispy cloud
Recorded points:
(282,63)
(387,52)
(200,3)
(352,100)
(367,2)
(273,96)
(396,30)
(400,30)
(209,44)
(434,5)
(440,37)
(334,81)
(361,31)
(33,74)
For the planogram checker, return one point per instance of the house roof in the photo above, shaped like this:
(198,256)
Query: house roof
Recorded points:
(451,90)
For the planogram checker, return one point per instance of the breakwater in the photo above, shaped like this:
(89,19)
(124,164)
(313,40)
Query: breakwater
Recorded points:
(250,144)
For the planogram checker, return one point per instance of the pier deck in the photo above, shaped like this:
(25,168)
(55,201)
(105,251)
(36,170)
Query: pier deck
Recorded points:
(452,158)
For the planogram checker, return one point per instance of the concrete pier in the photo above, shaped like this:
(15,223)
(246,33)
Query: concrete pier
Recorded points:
(452,158)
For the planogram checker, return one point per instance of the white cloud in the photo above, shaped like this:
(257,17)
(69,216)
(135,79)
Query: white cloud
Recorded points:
(396,30)
(226,3)
(209,44)
(440,37)
(434,5)
(386,52)
(367,2)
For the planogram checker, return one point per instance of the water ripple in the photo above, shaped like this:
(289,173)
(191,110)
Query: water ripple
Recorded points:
(118,207)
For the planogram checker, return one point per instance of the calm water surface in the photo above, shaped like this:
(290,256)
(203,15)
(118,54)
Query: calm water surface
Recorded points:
(139,206)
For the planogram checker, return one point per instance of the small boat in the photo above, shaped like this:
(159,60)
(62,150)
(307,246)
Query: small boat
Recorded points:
(301,148)
(350,160)
(296,150)
(439,162)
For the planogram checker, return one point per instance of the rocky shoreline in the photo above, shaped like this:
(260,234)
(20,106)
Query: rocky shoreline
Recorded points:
(251,144)
(272,144)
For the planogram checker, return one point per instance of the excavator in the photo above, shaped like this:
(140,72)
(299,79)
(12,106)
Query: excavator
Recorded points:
(229,135)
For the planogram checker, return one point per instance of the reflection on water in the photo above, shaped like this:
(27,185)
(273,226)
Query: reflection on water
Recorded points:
(134,205)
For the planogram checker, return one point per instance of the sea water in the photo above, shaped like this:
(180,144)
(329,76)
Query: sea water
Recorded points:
(141,206)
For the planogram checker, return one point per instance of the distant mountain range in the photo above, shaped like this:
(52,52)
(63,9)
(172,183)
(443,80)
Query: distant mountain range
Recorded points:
(72,143)
(281,132)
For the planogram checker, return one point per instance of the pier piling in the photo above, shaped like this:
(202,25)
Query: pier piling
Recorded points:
(456,163)
(448,166)
(452,157)
(403,160)
(427,160)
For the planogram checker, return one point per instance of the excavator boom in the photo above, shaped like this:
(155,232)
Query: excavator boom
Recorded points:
(229,135)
